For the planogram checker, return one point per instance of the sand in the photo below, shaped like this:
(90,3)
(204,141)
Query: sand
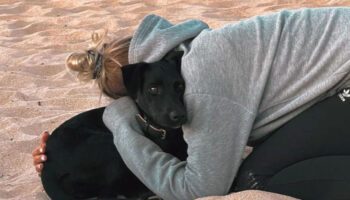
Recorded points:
(37,93)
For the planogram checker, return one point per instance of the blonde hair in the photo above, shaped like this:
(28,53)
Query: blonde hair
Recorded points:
(103,62)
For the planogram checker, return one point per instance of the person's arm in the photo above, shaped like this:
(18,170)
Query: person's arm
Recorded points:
(215,147)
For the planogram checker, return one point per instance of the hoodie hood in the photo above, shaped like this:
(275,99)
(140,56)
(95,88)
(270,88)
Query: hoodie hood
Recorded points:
(156,36)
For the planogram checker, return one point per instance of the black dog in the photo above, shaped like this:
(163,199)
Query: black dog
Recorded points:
(83,161)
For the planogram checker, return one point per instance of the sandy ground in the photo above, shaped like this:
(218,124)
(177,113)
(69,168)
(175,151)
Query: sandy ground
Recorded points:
(37,93)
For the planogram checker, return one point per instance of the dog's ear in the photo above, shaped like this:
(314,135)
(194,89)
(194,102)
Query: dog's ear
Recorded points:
(133,78)
(175,57)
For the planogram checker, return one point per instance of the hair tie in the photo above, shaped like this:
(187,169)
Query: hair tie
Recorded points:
(99,62)
(98,66)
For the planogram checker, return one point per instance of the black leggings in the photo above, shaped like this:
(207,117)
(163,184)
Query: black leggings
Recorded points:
(307,158)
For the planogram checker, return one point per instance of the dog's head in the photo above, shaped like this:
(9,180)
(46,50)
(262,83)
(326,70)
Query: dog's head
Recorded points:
(158,90)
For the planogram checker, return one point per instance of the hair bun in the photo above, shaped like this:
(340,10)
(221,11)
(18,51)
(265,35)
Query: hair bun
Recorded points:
(102,63)
(81,62)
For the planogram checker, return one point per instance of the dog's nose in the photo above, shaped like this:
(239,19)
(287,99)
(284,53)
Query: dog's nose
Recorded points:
(176,117)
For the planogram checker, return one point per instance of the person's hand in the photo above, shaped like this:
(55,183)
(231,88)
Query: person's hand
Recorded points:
(38,153)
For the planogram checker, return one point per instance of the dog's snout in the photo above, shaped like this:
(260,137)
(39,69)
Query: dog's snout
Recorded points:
(176,116)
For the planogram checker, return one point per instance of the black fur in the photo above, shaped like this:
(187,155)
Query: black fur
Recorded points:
(166,108)
(82,159)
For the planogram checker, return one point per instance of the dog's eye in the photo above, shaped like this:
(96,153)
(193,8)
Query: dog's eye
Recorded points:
(153,90)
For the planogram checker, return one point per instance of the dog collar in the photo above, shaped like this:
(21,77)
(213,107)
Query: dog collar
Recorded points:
(149,129)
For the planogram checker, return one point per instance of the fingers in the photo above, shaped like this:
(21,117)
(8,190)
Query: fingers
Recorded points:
(39,159)
(44,137)
(39,150)
(39,168)
(38,153)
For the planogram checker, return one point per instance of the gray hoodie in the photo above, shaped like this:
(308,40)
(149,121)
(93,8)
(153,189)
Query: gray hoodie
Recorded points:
(243,81)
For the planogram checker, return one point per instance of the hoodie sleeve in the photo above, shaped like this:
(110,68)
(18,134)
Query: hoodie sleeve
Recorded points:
(213,151)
